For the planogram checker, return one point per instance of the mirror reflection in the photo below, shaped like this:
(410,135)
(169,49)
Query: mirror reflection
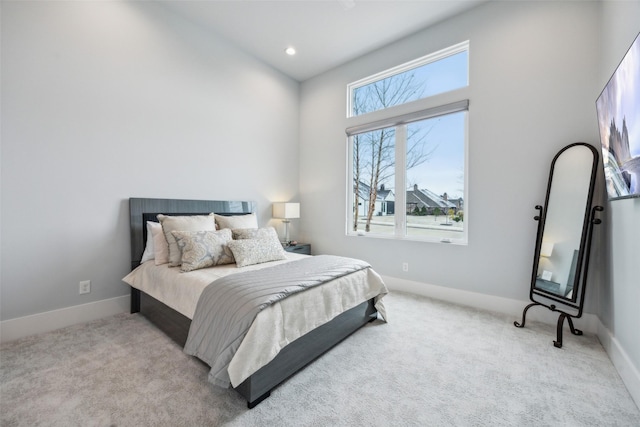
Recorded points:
(563,239)
(567,209)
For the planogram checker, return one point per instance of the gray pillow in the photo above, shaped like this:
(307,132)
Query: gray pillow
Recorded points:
(183,223)
(202,249)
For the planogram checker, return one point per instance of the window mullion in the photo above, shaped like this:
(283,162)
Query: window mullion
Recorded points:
(400,214)
(352,199)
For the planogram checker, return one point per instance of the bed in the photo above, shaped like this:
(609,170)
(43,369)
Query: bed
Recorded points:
(254,375)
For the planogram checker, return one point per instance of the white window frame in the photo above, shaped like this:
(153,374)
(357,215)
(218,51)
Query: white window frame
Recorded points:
(416,63)
(398,116)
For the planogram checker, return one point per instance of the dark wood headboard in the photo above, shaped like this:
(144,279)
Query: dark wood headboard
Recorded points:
(141,210)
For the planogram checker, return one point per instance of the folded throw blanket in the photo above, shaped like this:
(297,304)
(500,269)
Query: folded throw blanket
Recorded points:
(227,307)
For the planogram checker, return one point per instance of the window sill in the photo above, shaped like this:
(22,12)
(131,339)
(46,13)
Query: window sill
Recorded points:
(448,241)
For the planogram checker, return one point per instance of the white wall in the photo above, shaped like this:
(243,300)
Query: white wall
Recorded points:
(531,94)
(102,101)
(620,292)
(536,69)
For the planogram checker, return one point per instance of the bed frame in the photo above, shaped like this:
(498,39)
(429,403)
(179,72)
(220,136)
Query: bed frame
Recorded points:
(291,358)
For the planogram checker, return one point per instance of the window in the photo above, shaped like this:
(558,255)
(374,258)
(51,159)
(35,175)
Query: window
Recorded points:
(408,130)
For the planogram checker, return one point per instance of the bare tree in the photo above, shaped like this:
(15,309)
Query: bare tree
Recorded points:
(374,152)
(356,179)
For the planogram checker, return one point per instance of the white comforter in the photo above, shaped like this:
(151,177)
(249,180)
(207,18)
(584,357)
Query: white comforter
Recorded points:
(274,327)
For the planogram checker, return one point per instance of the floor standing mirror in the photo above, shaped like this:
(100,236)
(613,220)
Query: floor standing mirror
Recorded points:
(563,242)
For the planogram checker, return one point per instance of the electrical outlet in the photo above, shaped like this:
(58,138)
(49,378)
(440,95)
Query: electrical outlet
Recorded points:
(405,266)
(85,287)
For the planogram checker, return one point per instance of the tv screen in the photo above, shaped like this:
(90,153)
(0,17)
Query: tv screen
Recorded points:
(618,108)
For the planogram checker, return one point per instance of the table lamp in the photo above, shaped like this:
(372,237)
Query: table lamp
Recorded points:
(286,211)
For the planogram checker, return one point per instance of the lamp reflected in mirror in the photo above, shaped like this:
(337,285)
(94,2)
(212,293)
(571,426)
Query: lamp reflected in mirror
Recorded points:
(546,249)
(545,276)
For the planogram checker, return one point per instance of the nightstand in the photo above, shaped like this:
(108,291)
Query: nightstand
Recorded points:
(300,248)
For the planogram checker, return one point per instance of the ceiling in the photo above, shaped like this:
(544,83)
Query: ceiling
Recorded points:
(325,33)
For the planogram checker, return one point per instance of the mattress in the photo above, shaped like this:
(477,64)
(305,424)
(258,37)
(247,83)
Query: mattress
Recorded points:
(275,326)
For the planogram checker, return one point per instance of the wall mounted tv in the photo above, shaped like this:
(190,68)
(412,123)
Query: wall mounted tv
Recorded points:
(618,108)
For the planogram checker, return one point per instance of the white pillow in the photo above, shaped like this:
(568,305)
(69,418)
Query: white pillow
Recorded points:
(183,223)
(160,245)
(149,251)
(256,251)
(236,221)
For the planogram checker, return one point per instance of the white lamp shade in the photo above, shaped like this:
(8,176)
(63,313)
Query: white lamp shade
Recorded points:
(546,249)
(286,210)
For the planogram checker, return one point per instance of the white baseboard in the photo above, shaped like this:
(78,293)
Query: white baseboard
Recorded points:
(628,372)
(20,327)
(588,322)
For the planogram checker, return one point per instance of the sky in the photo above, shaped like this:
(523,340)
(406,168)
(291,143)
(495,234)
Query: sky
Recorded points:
(443,172)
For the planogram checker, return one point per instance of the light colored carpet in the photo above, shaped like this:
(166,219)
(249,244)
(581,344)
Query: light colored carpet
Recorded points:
(433,364)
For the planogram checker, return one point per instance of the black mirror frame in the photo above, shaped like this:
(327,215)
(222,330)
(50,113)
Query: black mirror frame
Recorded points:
(542,217)
(576,302)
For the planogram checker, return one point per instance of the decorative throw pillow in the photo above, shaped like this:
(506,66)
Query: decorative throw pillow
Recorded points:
(256,251)
(254,233)
(236,221)
(183,223)
(201,249)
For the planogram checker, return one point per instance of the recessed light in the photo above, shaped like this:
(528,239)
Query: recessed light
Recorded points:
(290,51)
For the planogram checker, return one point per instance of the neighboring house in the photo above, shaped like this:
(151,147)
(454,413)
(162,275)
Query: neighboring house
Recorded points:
(419,198)
(385,201)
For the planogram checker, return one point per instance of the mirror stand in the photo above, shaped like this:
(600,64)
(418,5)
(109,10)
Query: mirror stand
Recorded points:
(561,318)
(563,314)
(563,239)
